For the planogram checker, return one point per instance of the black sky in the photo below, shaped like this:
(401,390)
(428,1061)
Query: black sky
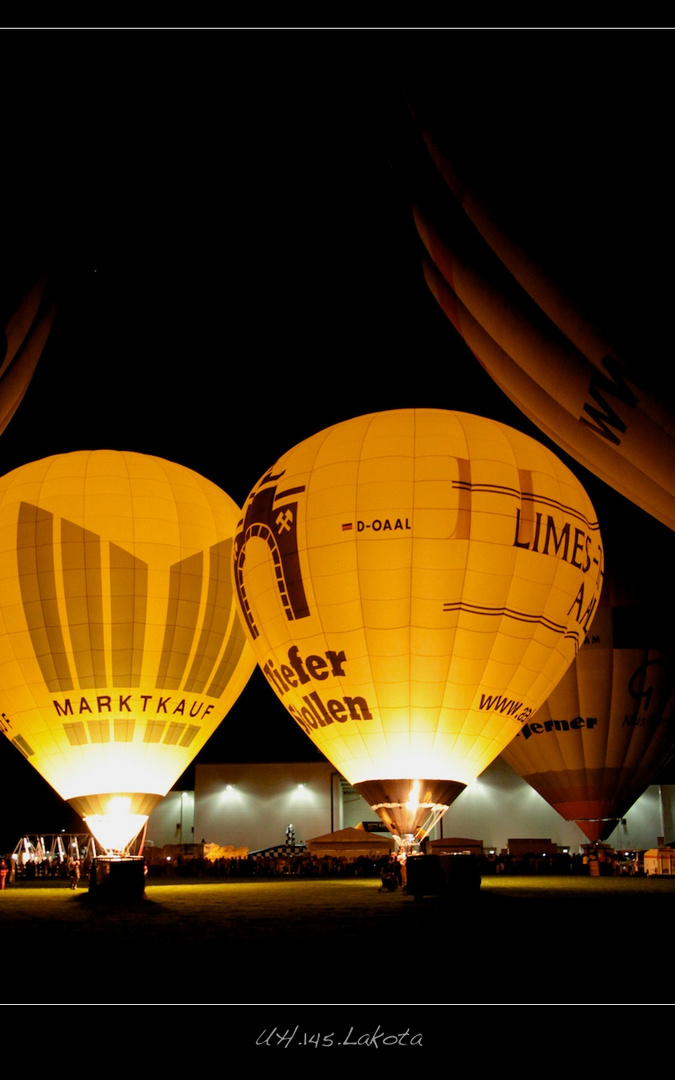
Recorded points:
(228,217)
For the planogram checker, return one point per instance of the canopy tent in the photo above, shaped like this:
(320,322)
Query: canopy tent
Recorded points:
(352,843)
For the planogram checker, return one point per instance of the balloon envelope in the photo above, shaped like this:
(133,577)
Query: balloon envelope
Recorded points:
(609,726)
(414,583)
(556,363)
(27,324)
(121,648)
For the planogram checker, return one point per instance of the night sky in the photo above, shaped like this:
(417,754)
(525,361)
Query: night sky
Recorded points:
(227,216)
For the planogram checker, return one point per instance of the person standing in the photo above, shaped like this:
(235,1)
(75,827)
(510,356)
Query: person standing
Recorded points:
(74,873)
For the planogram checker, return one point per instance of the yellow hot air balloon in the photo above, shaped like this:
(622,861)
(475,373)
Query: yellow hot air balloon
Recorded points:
(414,584)
(121,648)
(609,726)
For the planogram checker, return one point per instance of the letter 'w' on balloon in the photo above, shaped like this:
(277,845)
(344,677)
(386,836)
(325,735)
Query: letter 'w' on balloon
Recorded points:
(121,647)
(414,583)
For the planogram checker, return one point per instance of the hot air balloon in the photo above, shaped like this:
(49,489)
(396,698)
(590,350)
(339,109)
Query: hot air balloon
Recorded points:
(414,583)
(568,375)
(602,735)
(121,648)
(27,324)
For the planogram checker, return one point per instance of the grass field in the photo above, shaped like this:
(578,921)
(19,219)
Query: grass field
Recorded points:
(520,941)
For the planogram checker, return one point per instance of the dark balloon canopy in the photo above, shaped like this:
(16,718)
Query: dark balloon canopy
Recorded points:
(26,323)
(564,366)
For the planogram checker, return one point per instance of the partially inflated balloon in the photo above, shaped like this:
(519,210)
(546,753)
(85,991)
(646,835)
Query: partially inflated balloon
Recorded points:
(26,327)
(565,372)
(600,738)
(121,649)
(414,584)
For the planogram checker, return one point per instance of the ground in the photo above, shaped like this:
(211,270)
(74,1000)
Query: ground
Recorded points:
(315,943)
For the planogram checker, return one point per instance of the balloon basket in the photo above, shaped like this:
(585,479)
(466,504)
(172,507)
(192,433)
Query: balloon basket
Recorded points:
(117,878)
(453,876)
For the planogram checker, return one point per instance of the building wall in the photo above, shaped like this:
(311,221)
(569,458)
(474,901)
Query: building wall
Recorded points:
(172,821)
(499,805)
(251,806)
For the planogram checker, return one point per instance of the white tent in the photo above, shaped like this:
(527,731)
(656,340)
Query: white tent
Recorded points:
(352,844)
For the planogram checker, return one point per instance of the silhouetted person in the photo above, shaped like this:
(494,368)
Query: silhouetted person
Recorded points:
(74,873)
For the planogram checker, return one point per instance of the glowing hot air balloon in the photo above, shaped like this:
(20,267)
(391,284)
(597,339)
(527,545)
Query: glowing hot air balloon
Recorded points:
(414,583)
(609,725)
(121,648)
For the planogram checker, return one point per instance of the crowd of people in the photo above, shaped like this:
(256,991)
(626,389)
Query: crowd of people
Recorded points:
(307,865)
(298,862)
(45,869)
